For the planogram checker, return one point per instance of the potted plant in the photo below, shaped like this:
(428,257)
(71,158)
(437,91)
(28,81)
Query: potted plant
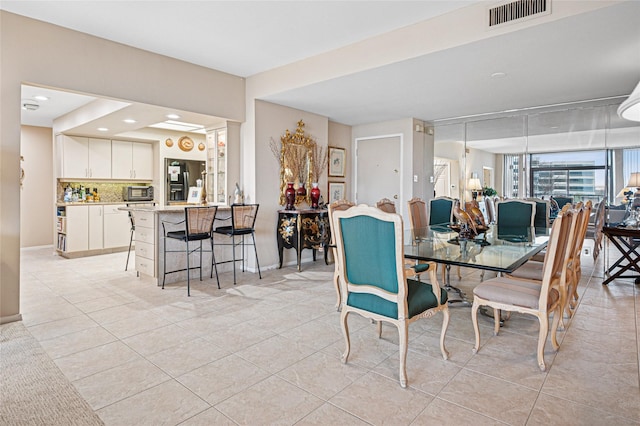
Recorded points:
(489,192)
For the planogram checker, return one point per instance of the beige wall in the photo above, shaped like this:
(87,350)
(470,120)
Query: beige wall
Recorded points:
(39,53)
(271,122)
(37,210)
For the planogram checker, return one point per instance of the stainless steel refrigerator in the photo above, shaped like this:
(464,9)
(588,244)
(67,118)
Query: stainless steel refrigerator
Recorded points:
(180,175)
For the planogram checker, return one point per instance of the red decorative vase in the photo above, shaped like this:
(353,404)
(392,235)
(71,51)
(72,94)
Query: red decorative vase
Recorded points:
(315,195)
(290,196)
(302,191)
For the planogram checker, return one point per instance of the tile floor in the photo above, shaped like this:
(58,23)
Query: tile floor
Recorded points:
(268,352)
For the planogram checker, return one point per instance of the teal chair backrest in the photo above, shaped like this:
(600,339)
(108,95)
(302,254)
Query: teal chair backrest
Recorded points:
(562,201)
(370,252)
(543,212)
(370,256)
(514,214)
(440,211)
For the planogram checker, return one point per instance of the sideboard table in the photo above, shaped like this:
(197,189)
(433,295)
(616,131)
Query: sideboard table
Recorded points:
(303,229)
(626,241)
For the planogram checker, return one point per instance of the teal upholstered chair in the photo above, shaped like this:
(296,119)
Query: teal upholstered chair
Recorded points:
(542,218)
(562,200)
(369,248)
(515,220)
(441,211)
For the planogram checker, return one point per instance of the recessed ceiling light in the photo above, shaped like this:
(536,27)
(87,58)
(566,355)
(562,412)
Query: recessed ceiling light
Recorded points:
(173,116)
(41,98)
(102,129)
(129,120)
(498,75)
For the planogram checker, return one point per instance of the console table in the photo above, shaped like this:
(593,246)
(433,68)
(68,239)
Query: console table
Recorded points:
(303,229)
(626,241)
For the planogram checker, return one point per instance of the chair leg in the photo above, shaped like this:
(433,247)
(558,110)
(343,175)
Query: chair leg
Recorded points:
(164,263)
(345,333)
(255,249)
(200,267)
(445,325)
(474,320)
(214,264)
(542,339)
(188,271)
(233,251)
(129,252)
(403,340)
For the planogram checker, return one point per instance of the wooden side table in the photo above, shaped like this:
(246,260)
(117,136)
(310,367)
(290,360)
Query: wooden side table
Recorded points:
(303,229)
(627,241)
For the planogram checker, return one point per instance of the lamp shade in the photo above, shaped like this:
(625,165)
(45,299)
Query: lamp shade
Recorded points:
(475,185)
(634,180)
(630,109)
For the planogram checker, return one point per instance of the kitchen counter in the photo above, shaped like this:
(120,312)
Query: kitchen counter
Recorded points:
(99,203)
(167,208)
(150,241)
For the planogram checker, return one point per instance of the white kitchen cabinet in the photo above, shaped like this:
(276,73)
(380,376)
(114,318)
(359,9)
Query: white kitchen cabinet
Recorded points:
(77,236)
(131,160)
(117,227)
(99,158)
(95,229)
(85,157)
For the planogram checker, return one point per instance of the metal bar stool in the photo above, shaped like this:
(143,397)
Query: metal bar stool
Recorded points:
(243,219)
(198,227)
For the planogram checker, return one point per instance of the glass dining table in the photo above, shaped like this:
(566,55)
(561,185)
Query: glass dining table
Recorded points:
(501,250)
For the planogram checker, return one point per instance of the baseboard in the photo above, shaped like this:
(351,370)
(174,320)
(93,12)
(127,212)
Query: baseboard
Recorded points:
(10,318)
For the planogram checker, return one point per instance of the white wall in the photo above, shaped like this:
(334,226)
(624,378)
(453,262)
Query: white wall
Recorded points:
(37,210)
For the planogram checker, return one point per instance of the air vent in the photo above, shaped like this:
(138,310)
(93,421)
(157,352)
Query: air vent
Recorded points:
(518,10)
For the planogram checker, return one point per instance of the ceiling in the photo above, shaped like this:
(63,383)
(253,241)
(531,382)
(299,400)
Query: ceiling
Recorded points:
(589,56)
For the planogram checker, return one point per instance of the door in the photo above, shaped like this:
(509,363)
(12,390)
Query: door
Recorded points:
(378,170)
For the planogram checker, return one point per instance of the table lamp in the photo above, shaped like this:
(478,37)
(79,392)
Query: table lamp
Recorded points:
(474,185)
(634,184)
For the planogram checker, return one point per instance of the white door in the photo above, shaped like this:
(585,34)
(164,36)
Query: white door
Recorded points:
(378,170)
(117,227)
(77,226)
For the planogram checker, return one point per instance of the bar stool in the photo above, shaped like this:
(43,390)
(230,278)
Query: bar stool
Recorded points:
(198,227)
(243,220)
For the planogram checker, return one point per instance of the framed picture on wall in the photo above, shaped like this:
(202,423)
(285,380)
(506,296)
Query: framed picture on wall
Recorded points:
(337,158)
(336,191)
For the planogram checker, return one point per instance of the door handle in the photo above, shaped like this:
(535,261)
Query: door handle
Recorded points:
(395,197)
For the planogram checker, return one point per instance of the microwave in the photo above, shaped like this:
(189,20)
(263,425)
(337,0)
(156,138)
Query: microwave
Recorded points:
(137,193)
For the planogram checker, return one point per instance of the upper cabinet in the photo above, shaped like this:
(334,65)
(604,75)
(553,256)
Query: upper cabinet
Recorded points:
(91,158)
(131,160)
(85,157)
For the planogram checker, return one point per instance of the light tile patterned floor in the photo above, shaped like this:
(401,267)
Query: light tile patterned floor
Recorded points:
(268,352)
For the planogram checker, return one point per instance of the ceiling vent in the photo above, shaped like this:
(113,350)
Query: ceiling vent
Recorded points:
(516,11)
(30,105)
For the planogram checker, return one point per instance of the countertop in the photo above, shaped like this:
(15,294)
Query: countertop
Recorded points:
(99,203)
(168,209)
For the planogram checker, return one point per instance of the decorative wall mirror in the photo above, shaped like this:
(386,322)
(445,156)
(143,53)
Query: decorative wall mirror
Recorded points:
(296,163)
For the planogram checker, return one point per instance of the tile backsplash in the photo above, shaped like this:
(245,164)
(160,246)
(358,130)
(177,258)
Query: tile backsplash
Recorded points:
(110,192)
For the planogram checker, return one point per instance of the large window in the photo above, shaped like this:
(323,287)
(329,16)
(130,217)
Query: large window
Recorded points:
(580,175)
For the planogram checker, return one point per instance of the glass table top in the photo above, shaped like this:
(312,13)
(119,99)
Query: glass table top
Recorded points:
(497,249)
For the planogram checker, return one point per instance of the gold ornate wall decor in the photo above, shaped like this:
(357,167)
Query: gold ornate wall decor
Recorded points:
(296,161)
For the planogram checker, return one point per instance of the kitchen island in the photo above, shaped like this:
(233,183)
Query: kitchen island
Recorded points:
(149,241)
